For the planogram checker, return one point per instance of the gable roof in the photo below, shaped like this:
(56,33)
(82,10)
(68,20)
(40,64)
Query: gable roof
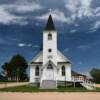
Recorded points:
(60,58)
(37,59)
(50,24)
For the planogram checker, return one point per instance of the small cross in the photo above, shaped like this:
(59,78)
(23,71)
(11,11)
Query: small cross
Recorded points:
(50,10)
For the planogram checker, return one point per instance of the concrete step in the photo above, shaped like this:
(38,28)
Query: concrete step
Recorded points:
(48,84)
(87,86)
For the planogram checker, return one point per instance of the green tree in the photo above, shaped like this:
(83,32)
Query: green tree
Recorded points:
(15,69)
(95,73)
(19,66)
(7,69)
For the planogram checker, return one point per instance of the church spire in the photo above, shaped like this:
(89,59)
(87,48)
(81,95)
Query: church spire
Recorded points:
(50,25)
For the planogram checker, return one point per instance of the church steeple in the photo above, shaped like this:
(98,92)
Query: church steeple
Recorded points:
(50,42)
(50,25)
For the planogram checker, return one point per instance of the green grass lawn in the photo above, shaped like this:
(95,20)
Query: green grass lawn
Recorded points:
(3,82)
(27,88)
(6,82)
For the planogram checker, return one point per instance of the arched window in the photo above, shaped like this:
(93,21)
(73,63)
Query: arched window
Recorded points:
(63,70)
(50,66)
(49,36)
(37,71)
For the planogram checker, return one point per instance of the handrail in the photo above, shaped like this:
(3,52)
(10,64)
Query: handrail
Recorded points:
(84,81)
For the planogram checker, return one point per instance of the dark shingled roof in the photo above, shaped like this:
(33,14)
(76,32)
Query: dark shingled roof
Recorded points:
(50,24)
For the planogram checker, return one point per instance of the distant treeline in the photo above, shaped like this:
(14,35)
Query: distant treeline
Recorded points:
(95,73)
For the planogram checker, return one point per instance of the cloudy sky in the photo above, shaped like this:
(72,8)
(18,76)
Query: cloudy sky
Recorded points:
(77,22)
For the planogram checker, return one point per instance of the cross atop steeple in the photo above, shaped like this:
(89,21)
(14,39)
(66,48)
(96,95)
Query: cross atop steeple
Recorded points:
(50,11)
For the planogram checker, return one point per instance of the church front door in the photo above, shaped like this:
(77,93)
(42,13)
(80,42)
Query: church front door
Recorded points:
(50,72)
(50,75)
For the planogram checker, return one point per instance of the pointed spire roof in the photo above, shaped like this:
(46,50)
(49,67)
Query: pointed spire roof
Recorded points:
(50,24)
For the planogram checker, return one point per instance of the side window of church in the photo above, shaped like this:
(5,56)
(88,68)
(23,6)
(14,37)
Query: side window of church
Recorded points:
(63,70)
(49,36)
(37,71)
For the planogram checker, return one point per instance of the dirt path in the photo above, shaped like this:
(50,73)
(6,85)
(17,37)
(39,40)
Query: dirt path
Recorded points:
(12,84)
(98,85)
(49,96)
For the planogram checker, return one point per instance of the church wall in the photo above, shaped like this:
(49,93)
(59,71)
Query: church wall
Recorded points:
(32,74)
(68,73)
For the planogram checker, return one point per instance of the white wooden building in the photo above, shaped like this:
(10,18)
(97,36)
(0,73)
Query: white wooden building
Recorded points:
(49,66)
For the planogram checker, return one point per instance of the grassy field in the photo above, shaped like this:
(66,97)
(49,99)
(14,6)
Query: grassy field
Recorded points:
(27,88)
(6,82)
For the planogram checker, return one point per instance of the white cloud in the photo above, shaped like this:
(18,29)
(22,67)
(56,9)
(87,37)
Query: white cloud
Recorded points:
(27,8)
(76,8)
(91,31)
(83,47)
(6,41)
(23,8)
(80,63)
(98,14)
(57,16)
(96,25)
(24,45)
(76,25)
(28,45)
(36,46)
(7,16)
(73,31)
(97,11)
(66,50)
(80,8)
(78,5)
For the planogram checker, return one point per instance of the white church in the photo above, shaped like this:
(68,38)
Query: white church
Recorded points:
(50,67)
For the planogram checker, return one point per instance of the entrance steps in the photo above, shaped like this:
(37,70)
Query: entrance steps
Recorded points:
(88,85)
(48,84)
